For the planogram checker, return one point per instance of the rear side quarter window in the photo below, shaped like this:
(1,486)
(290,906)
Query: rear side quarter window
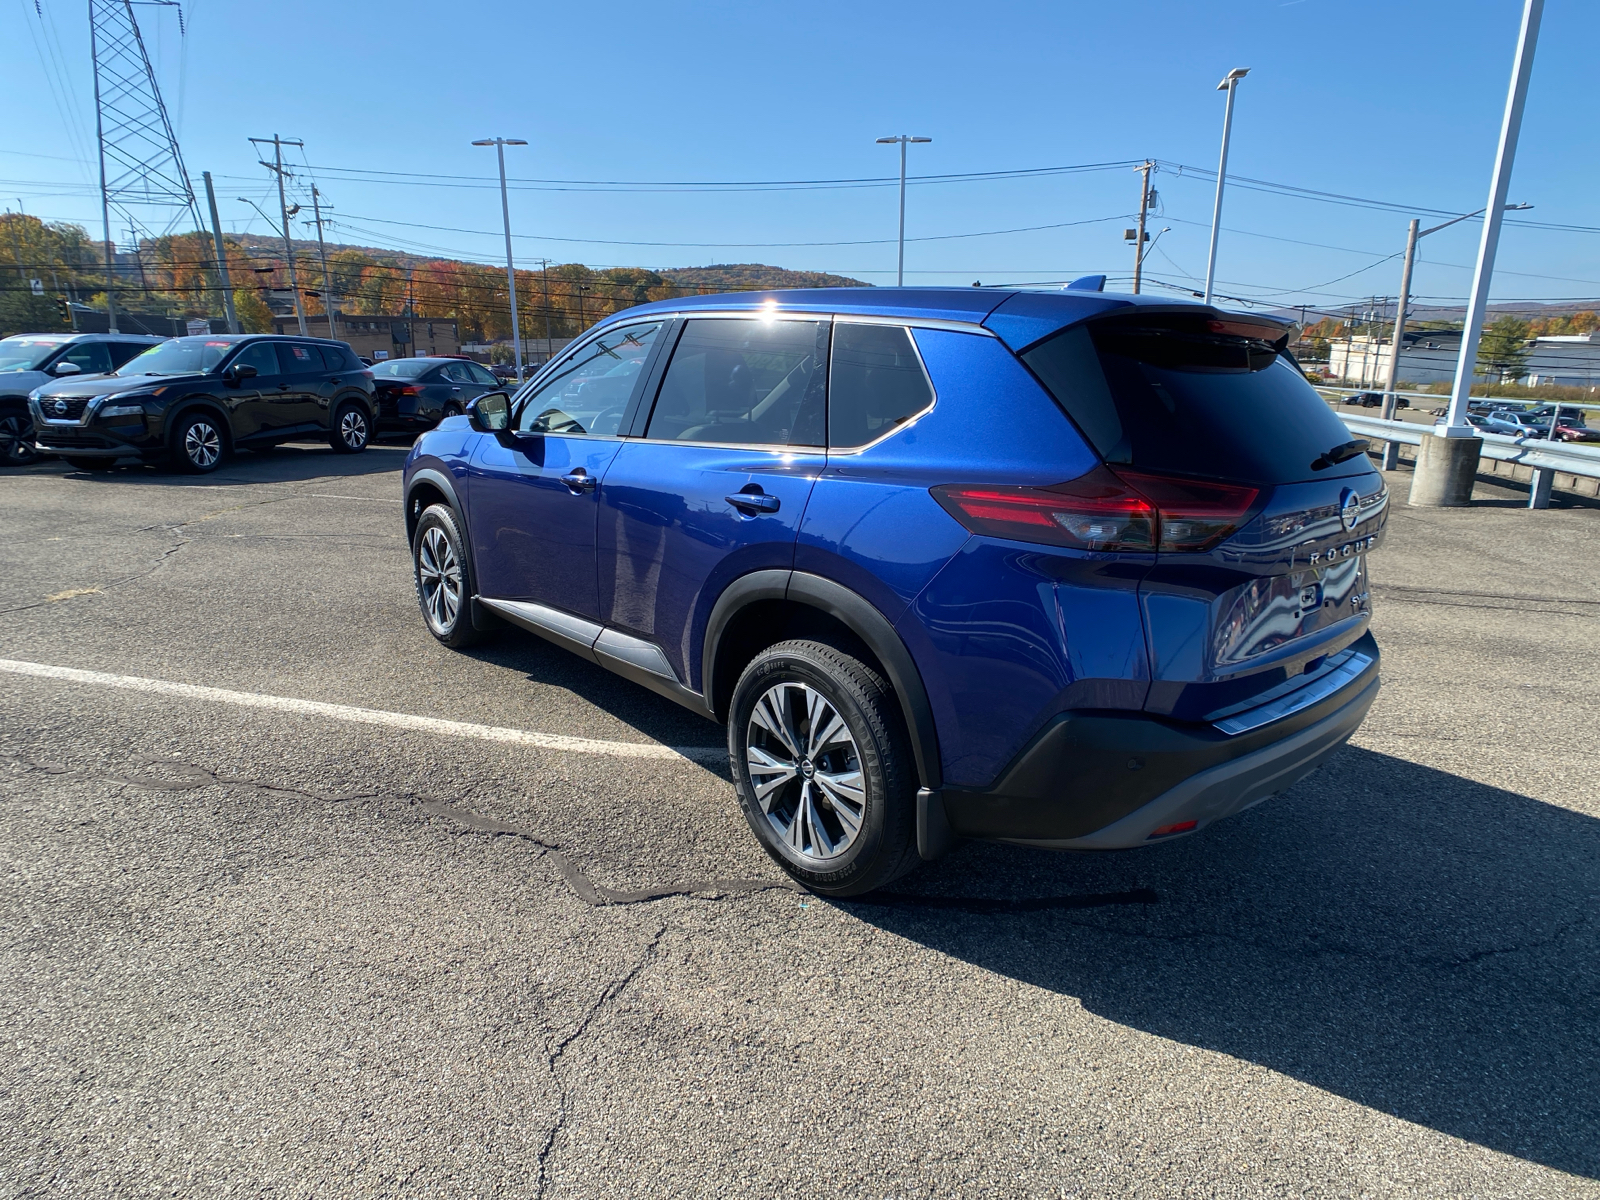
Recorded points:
(876,383)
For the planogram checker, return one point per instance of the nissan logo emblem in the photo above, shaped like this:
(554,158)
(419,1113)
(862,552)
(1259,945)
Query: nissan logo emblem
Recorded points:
(61,408)
(1349,509)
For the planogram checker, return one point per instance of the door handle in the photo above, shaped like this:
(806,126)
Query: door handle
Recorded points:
(579,481)
(754,501)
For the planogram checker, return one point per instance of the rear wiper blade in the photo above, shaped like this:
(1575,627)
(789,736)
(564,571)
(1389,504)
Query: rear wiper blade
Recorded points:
(1340,453)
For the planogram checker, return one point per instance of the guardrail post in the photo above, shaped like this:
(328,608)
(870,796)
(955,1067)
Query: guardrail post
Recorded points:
(1391,456)
(1539,492)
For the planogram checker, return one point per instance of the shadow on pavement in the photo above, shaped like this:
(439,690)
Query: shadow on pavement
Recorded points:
(1406,938)
(292,463)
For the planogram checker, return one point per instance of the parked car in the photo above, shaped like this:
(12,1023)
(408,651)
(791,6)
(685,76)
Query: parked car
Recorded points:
(30,360)
(1568,430)
(1077,571)
(1489,423)
(1570,414)
(1375,400)
(1516,424)
(194,400)
(418,393)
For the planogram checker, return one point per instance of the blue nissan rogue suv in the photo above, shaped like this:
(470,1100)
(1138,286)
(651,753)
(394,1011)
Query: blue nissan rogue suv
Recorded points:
(1071,570)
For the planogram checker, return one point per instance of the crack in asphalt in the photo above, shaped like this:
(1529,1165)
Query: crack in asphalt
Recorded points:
(596,895)
(554,1056)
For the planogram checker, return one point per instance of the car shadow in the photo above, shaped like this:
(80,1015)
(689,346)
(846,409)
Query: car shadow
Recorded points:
(295,462)
(1411,940)
(653,716)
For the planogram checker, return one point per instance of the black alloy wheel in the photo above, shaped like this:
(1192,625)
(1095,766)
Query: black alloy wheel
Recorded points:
(352,429)
(198,444)
(16,440)
(443,578)
(822,767)
(451,409)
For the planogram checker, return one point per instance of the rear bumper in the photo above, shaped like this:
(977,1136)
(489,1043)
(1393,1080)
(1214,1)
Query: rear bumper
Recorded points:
(1111,781)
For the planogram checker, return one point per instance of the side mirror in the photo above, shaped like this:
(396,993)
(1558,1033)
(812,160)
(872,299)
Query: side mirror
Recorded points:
(490,412)
(66,368)
(240,371)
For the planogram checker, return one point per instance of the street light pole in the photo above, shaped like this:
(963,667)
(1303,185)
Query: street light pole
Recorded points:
(1229,85)
(500,145)
(904,140)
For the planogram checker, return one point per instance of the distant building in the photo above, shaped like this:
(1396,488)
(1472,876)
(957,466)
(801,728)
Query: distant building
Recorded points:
(1565,360)
(380,337)
(1426,356)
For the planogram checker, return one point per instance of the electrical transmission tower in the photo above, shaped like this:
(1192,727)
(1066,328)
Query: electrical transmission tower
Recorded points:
(140,165)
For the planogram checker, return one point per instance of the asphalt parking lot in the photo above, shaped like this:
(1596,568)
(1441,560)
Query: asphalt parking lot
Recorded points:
(260,950)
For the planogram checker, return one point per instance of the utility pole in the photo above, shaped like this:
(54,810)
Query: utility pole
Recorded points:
(1144,208)
(549,346)
(105,194)
(904,140)
(222,258)
(1391,450)
(1448,462)
(276,166)
(1229,84)
(500,144)
(327,279)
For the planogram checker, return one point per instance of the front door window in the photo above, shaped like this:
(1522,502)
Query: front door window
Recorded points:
(589,393)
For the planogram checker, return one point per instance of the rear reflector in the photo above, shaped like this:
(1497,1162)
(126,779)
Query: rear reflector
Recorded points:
(1104,510)
(1169,830)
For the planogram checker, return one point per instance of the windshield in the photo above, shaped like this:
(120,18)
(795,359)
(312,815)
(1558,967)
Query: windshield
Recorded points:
(26,354)
(179,356)
(1180,395)
(401,368)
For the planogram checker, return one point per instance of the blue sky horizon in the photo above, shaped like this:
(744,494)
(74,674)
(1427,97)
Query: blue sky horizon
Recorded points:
(1398,102)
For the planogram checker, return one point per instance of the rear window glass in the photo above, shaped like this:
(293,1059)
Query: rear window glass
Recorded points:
(1175,397)
(401,368)
(877,383)
(300,360)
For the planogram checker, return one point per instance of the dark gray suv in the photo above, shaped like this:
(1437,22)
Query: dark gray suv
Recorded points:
(193,400)
(31,360)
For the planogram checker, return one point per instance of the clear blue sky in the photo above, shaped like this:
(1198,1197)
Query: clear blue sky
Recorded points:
(1397,100)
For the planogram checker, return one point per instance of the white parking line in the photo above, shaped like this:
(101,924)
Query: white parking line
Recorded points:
(369,716)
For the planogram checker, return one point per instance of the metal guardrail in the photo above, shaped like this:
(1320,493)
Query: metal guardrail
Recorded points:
(1537,453)
(1435,400)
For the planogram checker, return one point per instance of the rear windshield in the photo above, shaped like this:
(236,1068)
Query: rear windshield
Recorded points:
(1173,396)
(402,368)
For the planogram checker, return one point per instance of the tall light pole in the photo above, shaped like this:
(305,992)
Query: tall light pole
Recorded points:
(1229,84)
(500,145)
(904,140)
(1448,463)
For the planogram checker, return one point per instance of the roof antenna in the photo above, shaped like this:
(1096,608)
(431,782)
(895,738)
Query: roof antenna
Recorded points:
(1087,283)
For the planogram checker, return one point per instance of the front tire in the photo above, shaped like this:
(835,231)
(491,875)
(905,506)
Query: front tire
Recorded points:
(822,766)
(352,429)
(16,440)
(198,444)
(443,579)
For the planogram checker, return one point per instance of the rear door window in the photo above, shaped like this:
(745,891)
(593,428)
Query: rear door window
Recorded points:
(300,360)
(877,383)
(744,382)
(121,352)
(1173,394)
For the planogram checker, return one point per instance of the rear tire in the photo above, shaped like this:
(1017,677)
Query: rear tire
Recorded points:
(443,578)
(451,410)
(352,429)
(822,766)
(199,444)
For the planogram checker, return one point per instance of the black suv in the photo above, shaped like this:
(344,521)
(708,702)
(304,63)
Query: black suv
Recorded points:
(193,400)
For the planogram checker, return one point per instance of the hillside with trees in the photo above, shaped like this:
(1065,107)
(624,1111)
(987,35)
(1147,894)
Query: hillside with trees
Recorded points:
(171,276)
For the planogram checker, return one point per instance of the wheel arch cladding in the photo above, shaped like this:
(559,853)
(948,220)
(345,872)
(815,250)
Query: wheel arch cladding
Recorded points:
(770,602)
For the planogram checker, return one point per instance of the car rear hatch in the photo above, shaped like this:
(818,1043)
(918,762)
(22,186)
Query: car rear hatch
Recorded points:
(1263,507)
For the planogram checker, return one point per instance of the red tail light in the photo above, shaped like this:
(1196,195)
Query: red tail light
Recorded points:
(406,389)
(1104,510)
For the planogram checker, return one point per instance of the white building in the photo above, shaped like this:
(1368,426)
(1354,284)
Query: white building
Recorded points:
(1427,356)
(1566,360)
